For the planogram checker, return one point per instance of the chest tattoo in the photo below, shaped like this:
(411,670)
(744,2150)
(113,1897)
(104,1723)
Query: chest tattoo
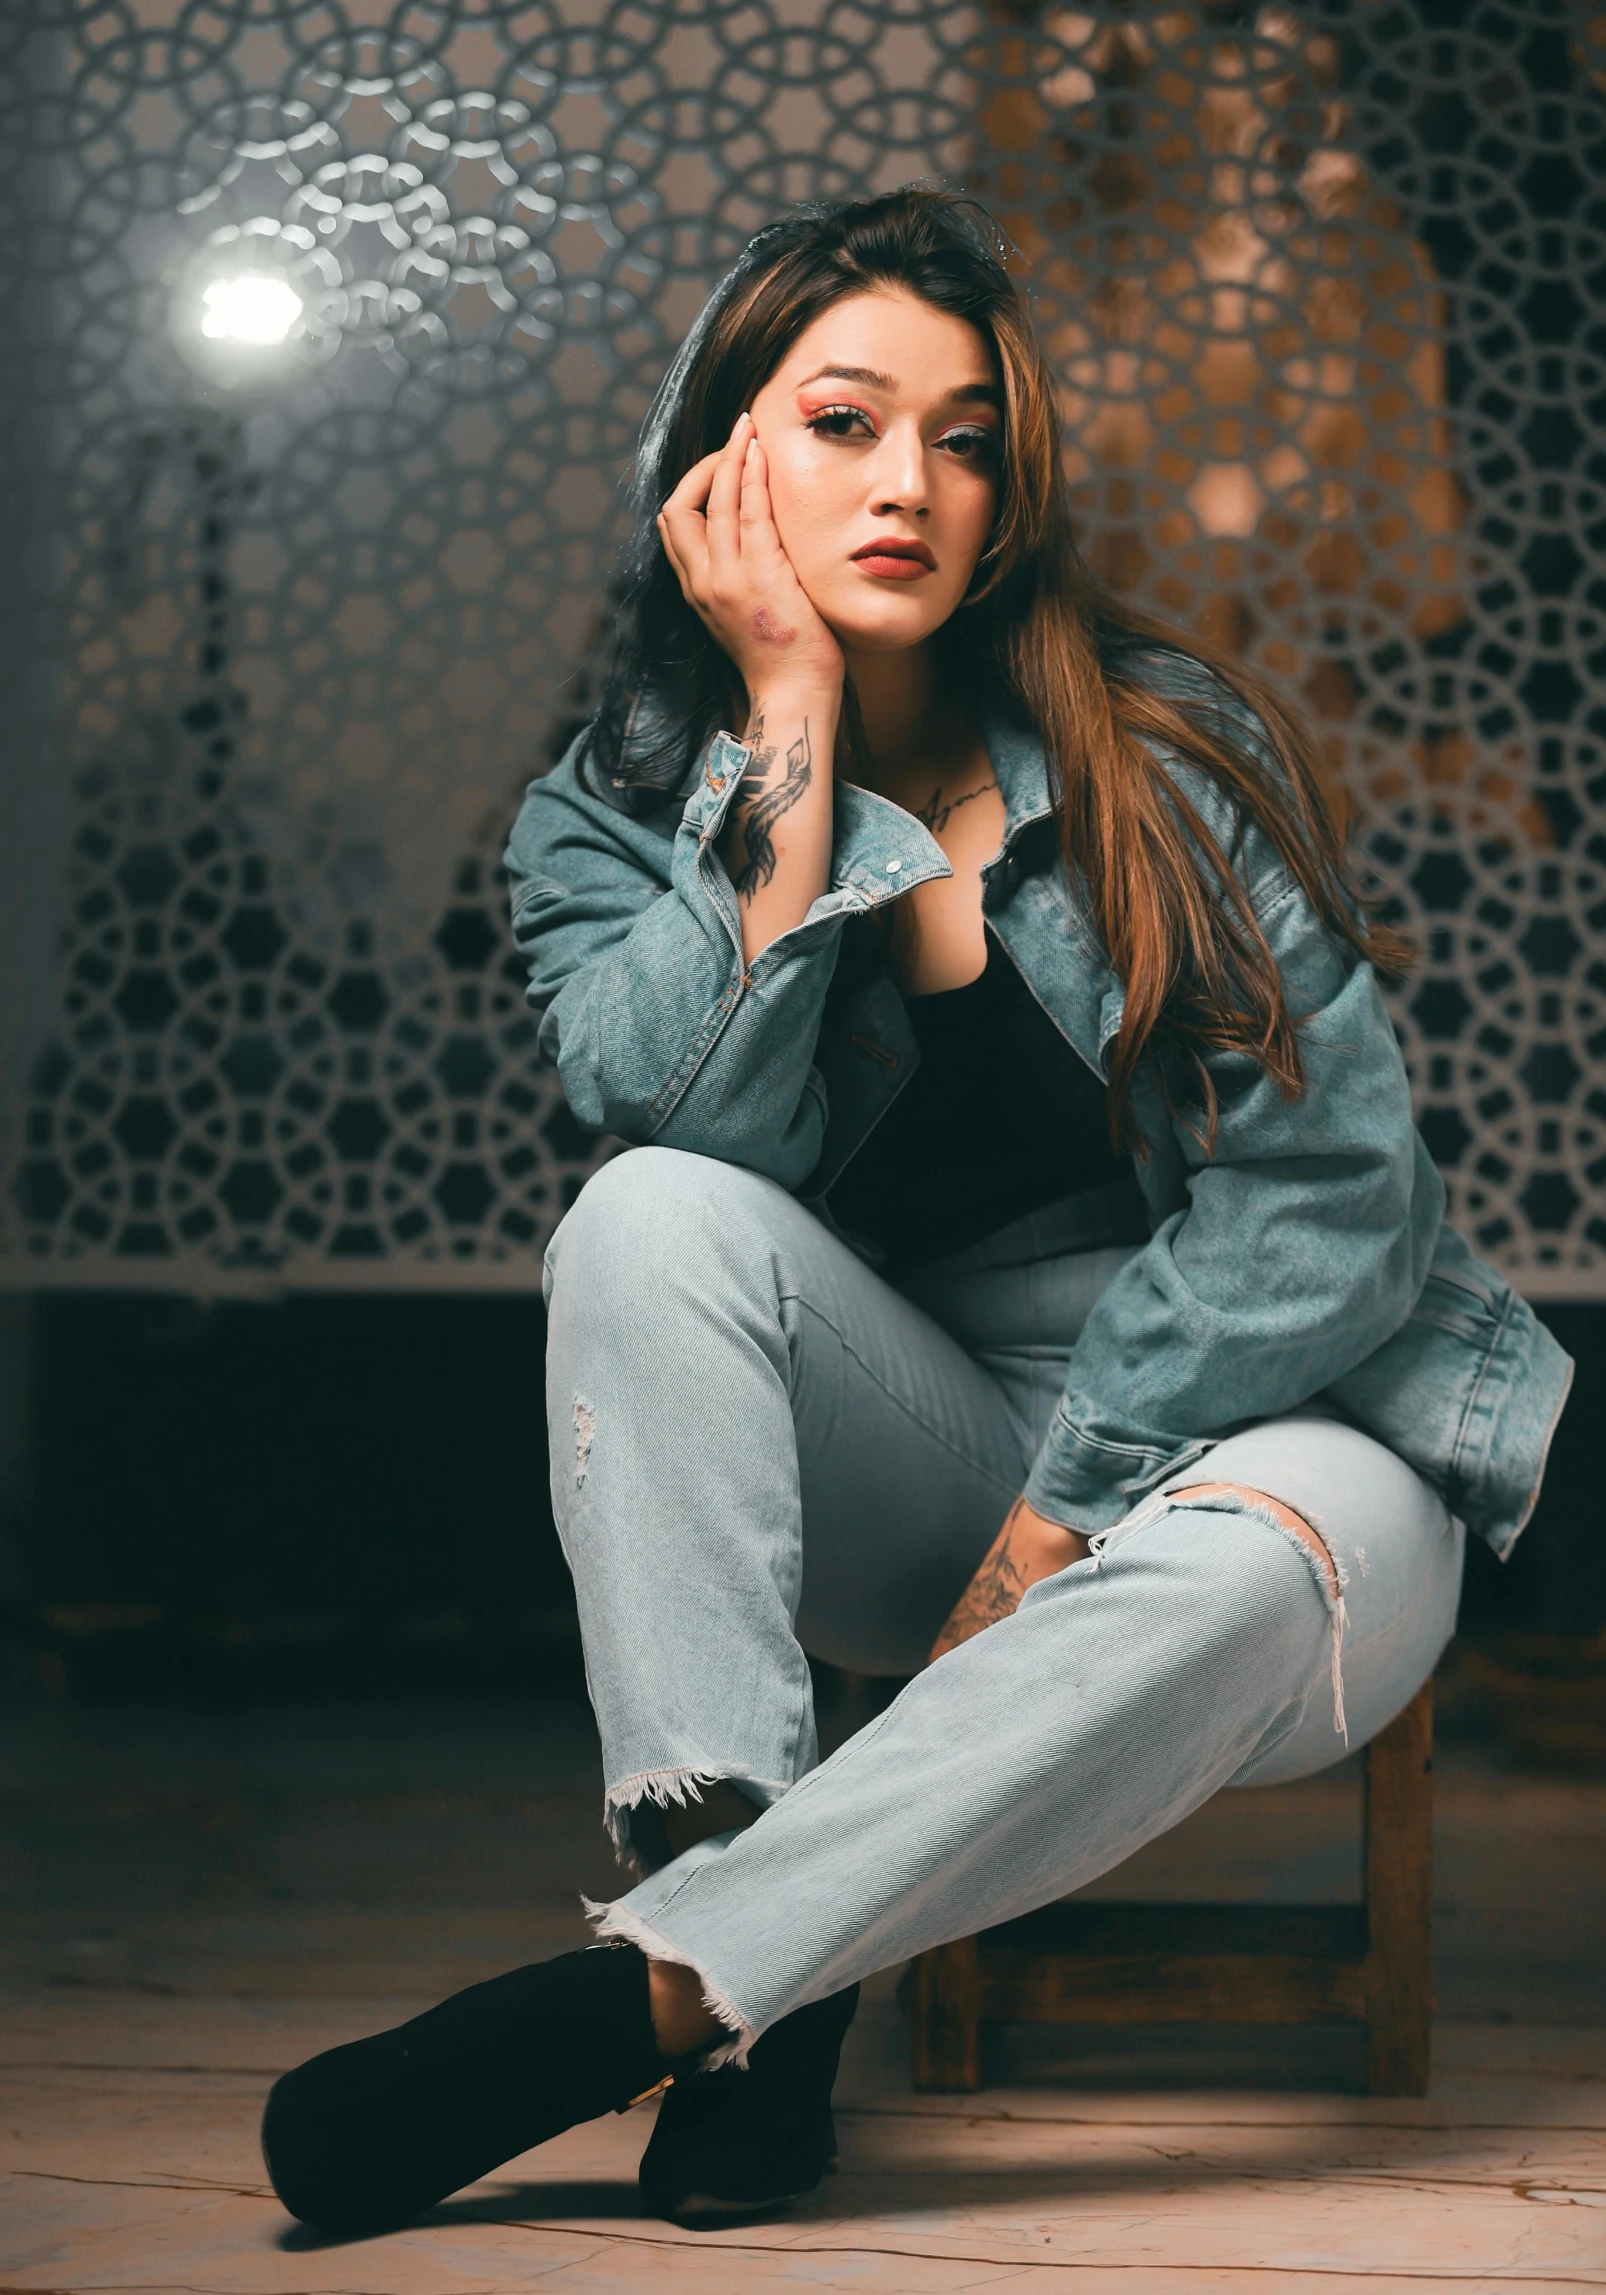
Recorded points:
(936,815)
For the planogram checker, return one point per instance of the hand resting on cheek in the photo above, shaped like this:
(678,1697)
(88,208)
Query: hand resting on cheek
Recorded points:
(719,534)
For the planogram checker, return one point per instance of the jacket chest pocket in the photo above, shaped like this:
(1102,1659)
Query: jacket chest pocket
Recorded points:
(867,1054)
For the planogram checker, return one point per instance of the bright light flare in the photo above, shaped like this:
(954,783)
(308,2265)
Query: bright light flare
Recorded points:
(255,307)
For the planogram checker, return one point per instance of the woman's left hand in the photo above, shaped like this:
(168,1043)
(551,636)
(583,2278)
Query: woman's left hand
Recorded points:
(1027,1548)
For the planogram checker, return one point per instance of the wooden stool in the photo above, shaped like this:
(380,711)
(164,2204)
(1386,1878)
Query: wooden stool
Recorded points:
(1078,1963)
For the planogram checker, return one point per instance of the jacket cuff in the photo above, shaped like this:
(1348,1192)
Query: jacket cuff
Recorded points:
(721,767)
(1089,1482)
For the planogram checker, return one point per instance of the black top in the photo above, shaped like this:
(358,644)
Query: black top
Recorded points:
(999,1118)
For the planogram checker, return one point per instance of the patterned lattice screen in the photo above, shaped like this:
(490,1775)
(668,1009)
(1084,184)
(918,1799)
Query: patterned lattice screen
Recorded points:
(293,624)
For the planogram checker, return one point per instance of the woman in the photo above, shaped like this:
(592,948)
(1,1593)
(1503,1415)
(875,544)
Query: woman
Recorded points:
(1030,1262)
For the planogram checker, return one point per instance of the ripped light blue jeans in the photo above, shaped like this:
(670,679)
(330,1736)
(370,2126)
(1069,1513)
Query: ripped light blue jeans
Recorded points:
(761,1447)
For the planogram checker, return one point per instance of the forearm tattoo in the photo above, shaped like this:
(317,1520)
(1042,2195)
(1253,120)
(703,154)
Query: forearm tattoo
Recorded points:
(761,802)
(993,1593)
(936,815)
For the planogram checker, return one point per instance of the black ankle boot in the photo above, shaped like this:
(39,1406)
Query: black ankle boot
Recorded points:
(732,2142)
(363,2138)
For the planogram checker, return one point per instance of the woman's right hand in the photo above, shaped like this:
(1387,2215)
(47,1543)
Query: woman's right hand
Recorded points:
(718,532)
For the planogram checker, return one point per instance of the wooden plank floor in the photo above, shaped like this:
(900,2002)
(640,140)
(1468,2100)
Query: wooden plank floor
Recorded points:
(189,1903)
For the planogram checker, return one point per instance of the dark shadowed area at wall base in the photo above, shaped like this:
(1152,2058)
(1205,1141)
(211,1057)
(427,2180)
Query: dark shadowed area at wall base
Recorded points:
(330,1494)
(1555,1581)
(349,1495)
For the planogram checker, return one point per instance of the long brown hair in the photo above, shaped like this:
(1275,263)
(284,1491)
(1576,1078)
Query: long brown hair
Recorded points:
(1050,641)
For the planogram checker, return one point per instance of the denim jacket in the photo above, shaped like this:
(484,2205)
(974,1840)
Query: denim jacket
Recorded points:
(1306,1255)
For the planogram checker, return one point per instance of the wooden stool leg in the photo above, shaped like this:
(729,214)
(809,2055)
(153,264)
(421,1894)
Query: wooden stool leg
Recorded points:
(943,2002)
(1399,1902)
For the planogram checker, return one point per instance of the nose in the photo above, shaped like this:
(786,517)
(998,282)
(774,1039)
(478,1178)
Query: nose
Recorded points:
(899,479)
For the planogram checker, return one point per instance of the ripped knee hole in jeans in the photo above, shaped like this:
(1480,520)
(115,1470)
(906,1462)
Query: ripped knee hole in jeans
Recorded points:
(1237,1498)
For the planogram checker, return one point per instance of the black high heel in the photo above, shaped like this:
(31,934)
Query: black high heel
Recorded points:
(363,2138)
(735,2142)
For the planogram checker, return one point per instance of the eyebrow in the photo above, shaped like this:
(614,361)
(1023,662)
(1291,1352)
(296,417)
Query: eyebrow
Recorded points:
(969,394)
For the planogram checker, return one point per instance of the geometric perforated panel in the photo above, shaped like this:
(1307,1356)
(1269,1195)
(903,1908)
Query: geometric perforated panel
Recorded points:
(1324,286)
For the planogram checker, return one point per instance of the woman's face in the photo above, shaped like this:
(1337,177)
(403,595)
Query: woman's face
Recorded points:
(882,428)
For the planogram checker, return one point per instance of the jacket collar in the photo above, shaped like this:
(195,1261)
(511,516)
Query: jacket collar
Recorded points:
(880,850)
(877,849)
(1021,770)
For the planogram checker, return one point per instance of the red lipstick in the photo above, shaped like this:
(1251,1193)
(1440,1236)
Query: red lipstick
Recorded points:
(893,558)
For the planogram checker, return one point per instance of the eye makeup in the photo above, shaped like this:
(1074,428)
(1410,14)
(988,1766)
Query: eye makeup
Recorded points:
(840,419)
(984,437)
(836,418)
